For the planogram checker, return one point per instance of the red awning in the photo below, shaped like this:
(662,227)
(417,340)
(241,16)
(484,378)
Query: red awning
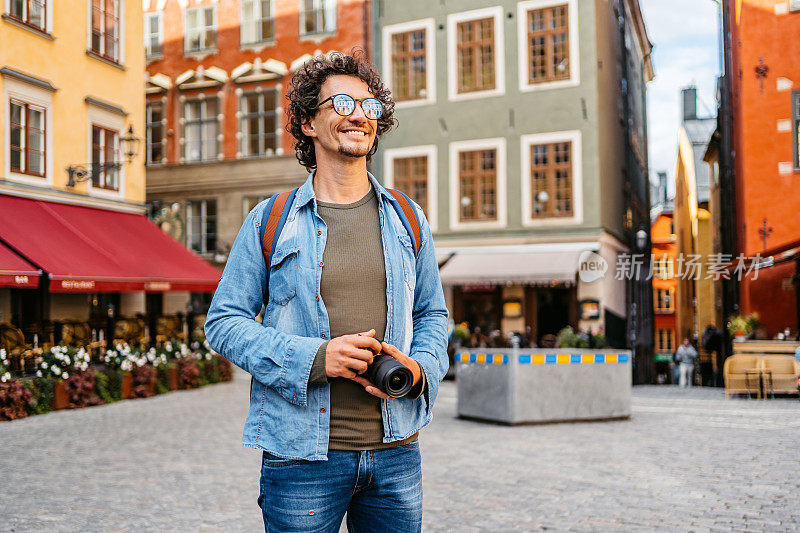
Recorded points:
(16,272)
(94,250)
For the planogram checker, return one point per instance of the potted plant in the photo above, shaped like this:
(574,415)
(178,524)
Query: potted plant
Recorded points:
(740,326)
(121,361)
(59,363)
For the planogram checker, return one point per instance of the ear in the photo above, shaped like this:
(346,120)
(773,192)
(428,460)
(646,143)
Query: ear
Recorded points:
(308,129)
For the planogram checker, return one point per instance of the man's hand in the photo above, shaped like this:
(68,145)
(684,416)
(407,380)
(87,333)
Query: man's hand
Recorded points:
(405,360)
(347,356)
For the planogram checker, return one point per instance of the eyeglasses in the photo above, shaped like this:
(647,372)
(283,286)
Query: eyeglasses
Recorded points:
(344,105)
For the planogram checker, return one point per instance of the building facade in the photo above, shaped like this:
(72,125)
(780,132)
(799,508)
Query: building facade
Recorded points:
(516,139)
(217,78)
(763,84)
(72,192)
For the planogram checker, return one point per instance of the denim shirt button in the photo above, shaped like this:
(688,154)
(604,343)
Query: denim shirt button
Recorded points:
(319,232)
(317,297)
(320,263)
(324,336)
(322,410)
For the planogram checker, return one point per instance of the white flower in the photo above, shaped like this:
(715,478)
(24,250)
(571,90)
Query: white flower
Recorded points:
(56,371)
(44,365)
(39,373)
(65,376)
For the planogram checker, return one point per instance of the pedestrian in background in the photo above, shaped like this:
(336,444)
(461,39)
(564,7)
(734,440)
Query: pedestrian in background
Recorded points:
(685,356)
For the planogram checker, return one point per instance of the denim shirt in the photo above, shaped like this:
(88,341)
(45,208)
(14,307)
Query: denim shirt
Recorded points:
(288,417)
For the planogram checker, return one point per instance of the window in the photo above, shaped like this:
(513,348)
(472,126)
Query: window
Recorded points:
(155,132)
(105,160)
(152,34)
(105,28)
(663,300)
(249,202)
(477,177)
(201,29)
(411,177)
(27,138)
(796,128)
(201,128)
(317,16)
(258,23)
(201,224)
(663,268)
(408,65)
(31,12)
(794,5)
(548,44)
(665,341)
(258,123)
(475,48)
(475,44)
(551,180)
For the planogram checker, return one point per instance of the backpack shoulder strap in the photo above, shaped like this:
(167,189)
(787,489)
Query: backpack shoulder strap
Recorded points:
(272,221)
(408,215)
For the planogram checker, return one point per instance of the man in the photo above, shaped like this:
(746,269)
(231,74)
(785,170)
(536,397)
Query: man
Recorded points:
(344,284)
(685,356)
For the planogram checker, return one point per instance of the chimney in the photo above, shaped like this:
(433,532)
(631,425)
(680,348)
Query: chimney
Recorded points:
(662,187)
(689,95)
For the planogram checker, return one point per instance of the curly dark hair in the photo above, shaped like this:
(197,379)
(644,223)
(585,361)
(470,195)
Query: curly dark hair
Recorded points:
(304,97)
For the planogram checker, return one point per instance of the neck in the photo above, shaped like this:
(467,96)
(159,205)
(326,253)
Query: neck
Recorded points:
(344,182)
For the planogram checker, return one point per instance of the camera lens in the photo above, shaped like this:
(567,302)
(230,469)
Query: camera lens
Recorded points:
(390,376)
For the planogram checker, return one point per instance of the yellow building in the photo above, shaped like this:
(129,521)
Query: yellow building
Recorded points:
(74,242)
(695,308)
(80,67)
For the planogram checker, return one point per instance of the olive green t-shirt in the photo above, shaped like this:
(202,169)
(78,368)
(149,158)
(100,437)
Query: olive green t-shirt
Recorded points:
(353,289)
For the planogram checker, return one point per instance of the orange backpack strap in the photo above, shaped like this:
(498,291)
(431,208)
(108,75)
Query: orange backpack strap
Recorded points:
(408,217)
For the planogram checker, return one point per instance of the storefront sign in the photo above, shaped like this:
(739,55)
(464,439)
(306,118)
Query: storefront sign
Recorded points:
(157,286)
(21,280)
(662,357)
(72,284)
(589,309)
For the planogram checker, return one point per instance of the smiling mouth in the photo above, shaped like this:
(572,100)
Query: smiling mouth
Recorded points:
(355,133)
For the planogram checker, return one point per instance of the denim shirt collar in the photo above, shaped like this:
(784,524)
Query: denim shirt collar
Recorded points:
(305,193)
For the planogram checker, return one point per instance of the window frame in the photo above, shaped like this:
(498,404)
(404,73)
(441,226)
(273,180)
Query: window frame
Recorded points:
(496,13)
(670,293)
(202,29)
(663,260)
(203,98)
(430,151)
(203,202)
(427,25)
(526,141)
(149,124)
(24,150)
(498,144)
(261,40)
(115,157)
(522,45)
(329,6)
(240,118)
(670,338)
(148,53)
(14,89)
(102,52)
(25,18)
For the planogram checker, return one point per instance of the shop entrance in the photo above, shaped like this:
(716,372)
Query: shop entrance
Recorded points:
(478,305)
(550,309)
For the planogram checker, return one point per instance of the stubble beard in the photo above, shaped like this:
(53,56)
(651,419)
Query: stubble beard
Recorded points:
(354,151)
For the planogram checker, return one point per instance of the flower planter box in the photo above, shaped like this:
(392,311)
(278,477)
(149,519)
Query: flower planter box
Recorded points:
(172,376)
(60,395)
(514,386)
(127,386)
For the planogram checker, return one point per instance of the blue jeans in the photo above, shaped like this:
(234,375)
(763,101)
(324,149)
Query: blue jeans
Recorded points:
(380,490)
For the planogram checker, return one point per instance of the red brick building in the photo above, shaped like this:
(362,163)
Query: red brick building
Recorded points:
(765,94)
(217,77)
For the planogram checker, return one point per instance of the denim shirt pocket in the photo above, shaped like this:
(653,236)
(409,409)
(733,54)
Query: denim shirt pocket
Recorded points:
(409,262)
(283,274)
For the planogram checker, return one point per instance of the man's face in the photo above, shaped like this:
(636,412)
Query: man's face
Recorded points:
(351,136)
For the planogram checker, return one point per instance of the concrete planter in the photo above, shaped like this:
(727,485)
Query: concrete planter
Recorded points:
(515,386)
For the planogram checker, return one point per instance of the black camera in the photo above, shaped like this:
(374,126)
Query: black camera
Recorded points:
(390,375)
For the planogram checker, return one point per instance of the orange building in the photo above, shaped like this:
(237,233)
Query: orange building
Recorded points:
(765,101)
(217,77)
(665,289)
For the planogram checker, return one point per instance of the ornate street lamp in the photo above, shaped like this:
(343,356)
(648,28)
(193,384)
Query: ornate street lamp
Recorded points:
(130,149)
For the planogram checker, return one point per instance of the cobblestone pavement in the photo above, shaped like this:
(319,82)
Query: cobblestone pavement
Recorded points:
(685,461)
